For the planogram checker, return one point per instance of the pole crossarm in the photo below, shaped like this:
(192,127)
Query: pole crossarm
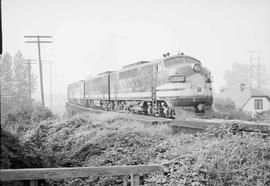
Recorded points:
(36,60)
(38,36)
(38,41)
(29,61)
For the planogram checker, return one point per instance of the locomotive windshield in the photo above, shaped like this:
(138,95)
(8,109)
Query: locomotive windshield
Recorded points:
(172,62)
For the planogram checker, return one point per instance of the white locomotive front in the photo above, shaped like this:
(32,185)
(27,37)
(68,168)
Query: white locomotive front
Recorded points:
(184,82)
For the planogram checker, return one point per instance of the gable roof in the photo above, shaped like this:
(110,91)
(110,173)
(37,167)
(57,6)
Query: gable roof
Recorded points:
(240,98)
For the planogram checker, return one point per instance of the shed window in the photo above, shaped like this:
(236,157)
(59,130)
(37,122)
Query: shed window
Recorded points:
(258,104)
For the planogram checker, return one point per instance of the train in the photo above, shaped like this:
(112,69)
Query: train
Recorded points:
(153,88)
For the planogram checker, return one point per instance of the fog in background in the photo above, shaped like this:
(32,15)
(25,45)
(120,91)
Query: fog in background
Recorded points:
(90,37)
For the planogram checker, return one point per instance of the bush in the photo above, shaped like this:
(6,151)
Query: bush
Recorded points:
(40,113)
(216,157)
(26,113)
(25,118)
(19,115)
(225,109)
(264,116)
(233,114)
(17,155)
(82,142)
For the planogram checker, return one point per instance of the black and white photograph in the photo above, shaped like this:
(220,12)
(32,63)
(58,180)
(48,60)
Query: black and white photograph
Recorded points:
(135,92)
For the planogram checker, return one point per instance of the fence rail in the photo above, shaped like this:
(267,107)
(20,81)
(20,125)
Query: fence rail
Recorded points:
(74,172)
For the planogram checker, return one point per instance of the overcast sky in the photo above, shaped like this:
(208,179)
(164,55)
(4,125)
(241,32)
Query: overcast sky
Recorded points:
(94,36)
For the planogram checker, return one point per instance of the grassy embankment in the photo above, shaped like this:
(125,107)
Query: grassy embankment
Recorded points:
(215,157)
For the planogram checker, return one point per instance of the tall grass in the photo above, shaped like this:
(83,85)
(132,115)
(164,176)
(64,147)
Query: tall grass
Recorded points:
(214,157)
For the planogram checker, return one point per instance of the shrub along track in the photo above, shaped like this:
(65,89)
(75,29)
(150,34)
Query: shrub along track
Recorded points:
(187,125)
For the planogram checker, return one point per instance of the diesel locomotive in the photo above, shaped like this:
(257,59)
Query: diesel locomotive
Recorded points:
(148,87)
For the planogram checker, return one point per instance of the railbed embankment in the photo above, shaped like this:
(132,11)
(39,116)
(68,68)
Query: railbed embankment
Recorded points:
(185,124)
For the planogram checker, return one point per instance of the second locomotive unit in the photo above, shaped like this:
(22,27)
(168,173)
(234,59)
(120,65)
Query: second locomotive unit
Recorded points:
(149,87)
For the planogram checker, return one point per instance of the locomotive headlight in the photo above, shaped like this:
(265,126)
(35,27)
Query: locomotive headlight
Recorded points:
(177,78)
(196,67)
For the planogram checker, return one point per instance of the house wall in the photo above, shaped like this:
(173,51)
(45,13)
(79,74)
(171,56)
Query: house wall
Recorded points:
(250,105)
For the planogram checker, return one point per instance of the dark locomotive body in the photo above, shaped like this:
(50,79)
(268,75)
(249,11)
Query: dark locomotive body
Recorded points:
(153,88)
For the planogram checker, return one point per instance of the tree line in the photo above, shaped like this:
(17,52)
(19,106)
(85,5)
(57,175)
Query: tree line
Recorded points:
(17,83)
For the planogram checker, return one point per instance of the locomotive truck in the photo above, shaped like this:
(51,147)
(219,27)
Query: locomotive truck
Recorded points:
(154,88)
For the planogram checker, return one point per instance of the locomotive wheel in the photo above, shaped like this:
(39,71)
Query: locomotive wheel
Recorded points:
(170,113)
(149,110)
(200,108)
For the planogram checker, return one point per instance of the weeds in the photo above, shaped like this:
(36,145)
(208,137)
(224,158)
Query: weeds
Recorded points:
(214,157)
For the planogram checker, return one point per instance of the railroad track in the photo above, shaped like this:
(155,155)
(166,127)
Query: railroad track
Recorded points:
(185,125)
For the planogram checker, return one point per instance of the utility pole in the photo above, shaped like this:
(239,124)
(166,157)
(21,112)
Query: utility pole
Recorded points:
(38,41)
(51,83)
(29,77)
(50,63)
(255,63)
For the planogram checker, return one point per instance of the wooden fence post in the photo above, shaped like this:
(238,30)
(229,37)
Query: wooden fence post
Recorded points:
(125,180)
(33,182)
(136,180)
(131,180)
